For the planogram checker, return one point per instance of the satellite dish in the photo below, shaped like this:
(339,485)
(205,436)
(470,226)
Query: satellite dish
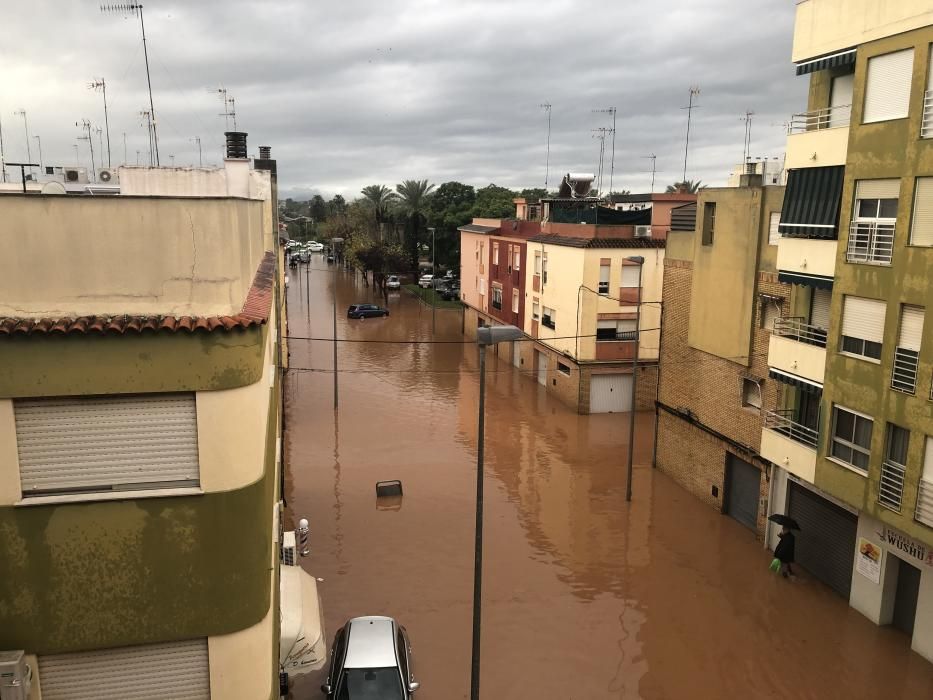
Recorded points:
(53,188)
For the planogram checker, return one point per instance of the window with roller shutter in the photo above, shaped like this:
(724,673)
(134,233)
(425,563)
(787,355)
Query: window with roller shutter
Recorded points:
(862,327)
(887,87)
(921,227)
(907,352)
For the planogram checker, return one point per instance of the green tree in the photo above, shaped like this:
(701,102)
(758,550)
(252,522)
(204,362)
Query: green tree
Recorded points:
(413,202)
(494,202)
(451,207)
(379,198)
(533,195)
(686,187)
(318,208)
(337,205)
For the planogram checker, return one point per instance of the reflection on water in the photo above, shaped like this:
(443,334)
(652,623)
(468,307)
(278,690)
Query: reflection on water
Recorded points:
(585,596)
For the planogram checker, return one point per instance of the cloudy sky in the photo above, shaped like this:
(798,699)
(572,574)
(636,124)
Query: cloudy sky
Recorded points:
(359,91)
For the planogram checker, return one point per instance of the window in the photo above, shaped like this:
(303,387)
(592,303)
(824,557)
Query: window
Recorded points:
(851,441)
(515,300)
(891,485)
(544,268)
(770,311)
(563,369)
(921,228)
(907,351)
(537,263)
(516,258)
(709,222)
(630,275)
(887,87)
(497,297)
(604,270)
(924,512)
(862,327)
(535,311)
(623,329)
(871,234)
(106,444)
(773,234)
(495,252)
(549,318)
(751,393)
(482,286)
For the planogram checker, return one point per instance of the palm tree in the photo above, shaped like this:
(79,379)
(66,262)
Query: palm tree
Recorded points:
(686,187)
(413,196)
(379,198)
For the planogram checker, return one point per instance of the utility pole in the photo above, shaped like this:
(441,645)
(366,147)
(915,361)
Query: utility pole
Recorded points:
(2,157)
(547,159)
(433,283)
(654,160)
(22,113)
(101,84)
(694,92)
(640,261)
(335,335)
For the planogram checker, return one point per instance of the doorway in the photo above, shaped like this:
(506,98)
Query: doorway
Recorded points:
(905,597)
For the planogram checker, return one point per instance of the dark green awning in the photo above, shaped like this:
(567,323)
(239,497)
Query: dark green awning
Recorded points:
(811,202)
(833,60)
(808,280)
(795,381)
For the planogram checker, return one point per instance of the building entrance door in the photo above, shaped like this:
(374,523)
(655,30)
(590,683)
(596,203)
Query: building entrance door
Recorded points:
(743,481)
(905,599)
(541,367)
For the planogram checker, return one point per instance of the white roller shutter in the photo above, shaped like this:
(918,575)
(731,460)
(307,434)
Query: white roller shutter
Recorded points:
(911,331)
(863,318)
(887,89)
(107,443)
(921,230)
(878,189)
(610,393)
(177,670)
(819,308)
(774,235)
(630,275)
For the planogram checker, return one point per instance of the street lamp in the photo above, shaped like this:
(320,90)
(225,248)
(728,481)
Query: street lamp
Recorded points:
(640,261)
(433,282)
(485,336)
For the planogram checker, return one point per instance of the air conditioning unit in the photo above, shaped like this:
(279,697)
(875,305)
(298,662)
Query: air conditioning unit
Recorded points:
(289,549)
(75,176)
(107,176)
(643,231)
(15,675)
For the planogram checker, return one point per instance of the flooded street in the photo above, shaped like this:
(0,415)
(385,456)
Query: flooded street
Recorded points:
(585,596)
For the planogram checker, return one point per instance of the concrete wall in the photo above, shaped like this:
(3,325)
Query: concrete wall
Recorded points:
(76,256)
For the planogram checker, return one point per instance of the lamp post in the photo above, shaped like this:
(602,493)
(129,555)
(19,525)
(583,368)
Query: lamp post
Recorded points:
(485,336)
(433,283)
(640,261)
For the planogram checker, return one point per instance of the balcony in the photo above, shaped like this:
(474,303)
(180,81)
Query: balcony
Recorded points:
(819,137)
(788,444)
(807,256)
(904,375)
(870,242)
(891,488)
(926,126)
(798,348)
(924,512)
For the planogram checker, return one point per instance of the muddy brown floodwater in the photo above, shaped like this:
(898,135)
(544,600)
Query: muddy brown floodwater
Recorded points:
(585,596)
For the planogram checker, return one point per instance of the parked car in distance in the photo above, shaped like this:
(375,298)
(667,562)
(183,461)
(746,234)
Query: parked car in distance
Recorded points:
(393,282)
(451,292)
(371,658)
(425,281)
(366,311)
(315,247)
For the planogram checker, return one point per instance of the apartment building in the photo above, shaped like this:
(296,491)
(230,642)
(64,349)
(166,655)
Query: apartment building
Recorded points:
(140,421)
(852,443)
(721,297)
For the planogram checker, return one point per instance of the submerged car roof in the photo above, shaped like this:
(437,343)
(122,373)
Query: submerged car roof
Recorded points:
(371,643)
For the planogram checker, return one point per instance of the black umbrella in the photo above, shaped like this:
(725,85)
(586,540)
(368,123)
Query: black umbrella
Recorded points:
(784,520)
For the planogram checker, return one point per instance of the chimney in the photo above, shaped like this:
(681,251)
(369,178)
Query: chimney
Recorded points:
(265,152)
(750,181)
(236,144)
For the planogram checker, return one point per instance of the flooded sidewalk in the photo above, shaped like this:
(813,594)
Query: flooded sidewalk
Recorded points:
(585,596)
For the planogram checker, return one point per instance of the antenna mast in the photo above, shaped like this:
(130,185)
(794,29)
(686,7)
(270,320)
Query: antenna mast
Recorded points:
(86,127)
(654,160)
(612,160)
(22,113)
(600,134)
(2,158)
(694,92)
(747,143)
(547,161)
(137,8)
(101,84)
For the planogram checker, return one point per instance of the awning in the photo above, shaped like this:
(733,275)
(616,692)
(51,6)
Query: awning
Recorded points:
(794,380)
(811,202)
(833,60)
(302,642)
(815,281)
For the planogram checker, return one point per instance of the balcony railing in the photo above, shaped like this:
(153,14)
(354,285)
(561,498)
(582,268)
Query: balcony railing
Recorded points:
(814,120)
(891,490)
(926,126)
(904,375)
(783,422)
(870,242)
(924,512)
(795,328)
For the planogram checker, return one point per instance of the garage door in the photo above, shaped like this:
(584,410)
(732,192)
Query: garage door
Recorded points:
(610,393)
(742,488)
(176,670)
(516,353)
(541,367)
(826,541)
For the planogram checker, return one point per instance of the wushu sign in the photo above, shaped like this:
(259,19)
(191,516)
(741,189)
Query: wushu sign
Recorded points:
(907,546)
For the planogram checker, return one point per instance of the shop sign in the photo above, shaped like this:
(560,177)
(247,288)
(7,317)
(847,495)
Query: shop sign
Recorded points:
(914,549)
(868,563)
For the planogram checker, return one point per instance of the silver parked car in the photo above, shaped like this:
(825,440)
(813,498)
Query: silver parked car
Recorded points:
(371,658)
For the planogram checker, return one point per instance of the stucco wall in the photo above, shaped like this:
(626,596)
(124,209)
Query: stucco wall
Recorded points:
(472,262)
(76,256)
(565,275)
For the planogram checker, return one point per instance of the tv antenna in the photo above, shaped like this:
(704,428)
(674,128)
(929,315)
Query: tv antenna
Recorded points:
(2,158)
(136,8)
(747,143)
(694,92)
(547,159)
(149,127)
(101,84)
(654,160)
(197,140)
(229,108)
(86,128)
(612,160)
(22,113)
(601,134)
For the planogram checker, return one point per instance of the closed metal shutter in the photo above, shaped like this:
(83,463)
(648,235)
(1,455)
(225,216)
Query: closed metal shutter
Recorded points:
(863,318)
(177,670)
(921,229)
(542,367)
(878,189)
(610,393)
(819,308)
(516,353)
(840,100)
(826,542)
(108,443)
(911,331)
(774,233)
(630,275)
(743,483)
(887,89)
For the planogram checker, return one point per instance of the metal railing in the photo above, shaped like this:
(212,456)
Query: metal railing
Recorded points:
(926,126)
(870,242)
(891,489)
(924,512)
(782,421)
(818,119)
(796,328)
(904,374)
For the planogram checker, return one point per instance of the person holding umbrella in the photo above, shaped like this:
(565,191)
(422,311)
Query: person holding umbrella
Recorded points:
(784,552)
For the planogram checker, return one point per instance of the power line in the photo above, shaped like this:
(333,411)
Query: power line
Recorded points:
(444,342)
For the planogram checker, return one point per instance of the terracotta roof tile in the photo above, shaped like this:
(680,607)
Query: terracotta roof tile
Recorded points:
(255,312)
